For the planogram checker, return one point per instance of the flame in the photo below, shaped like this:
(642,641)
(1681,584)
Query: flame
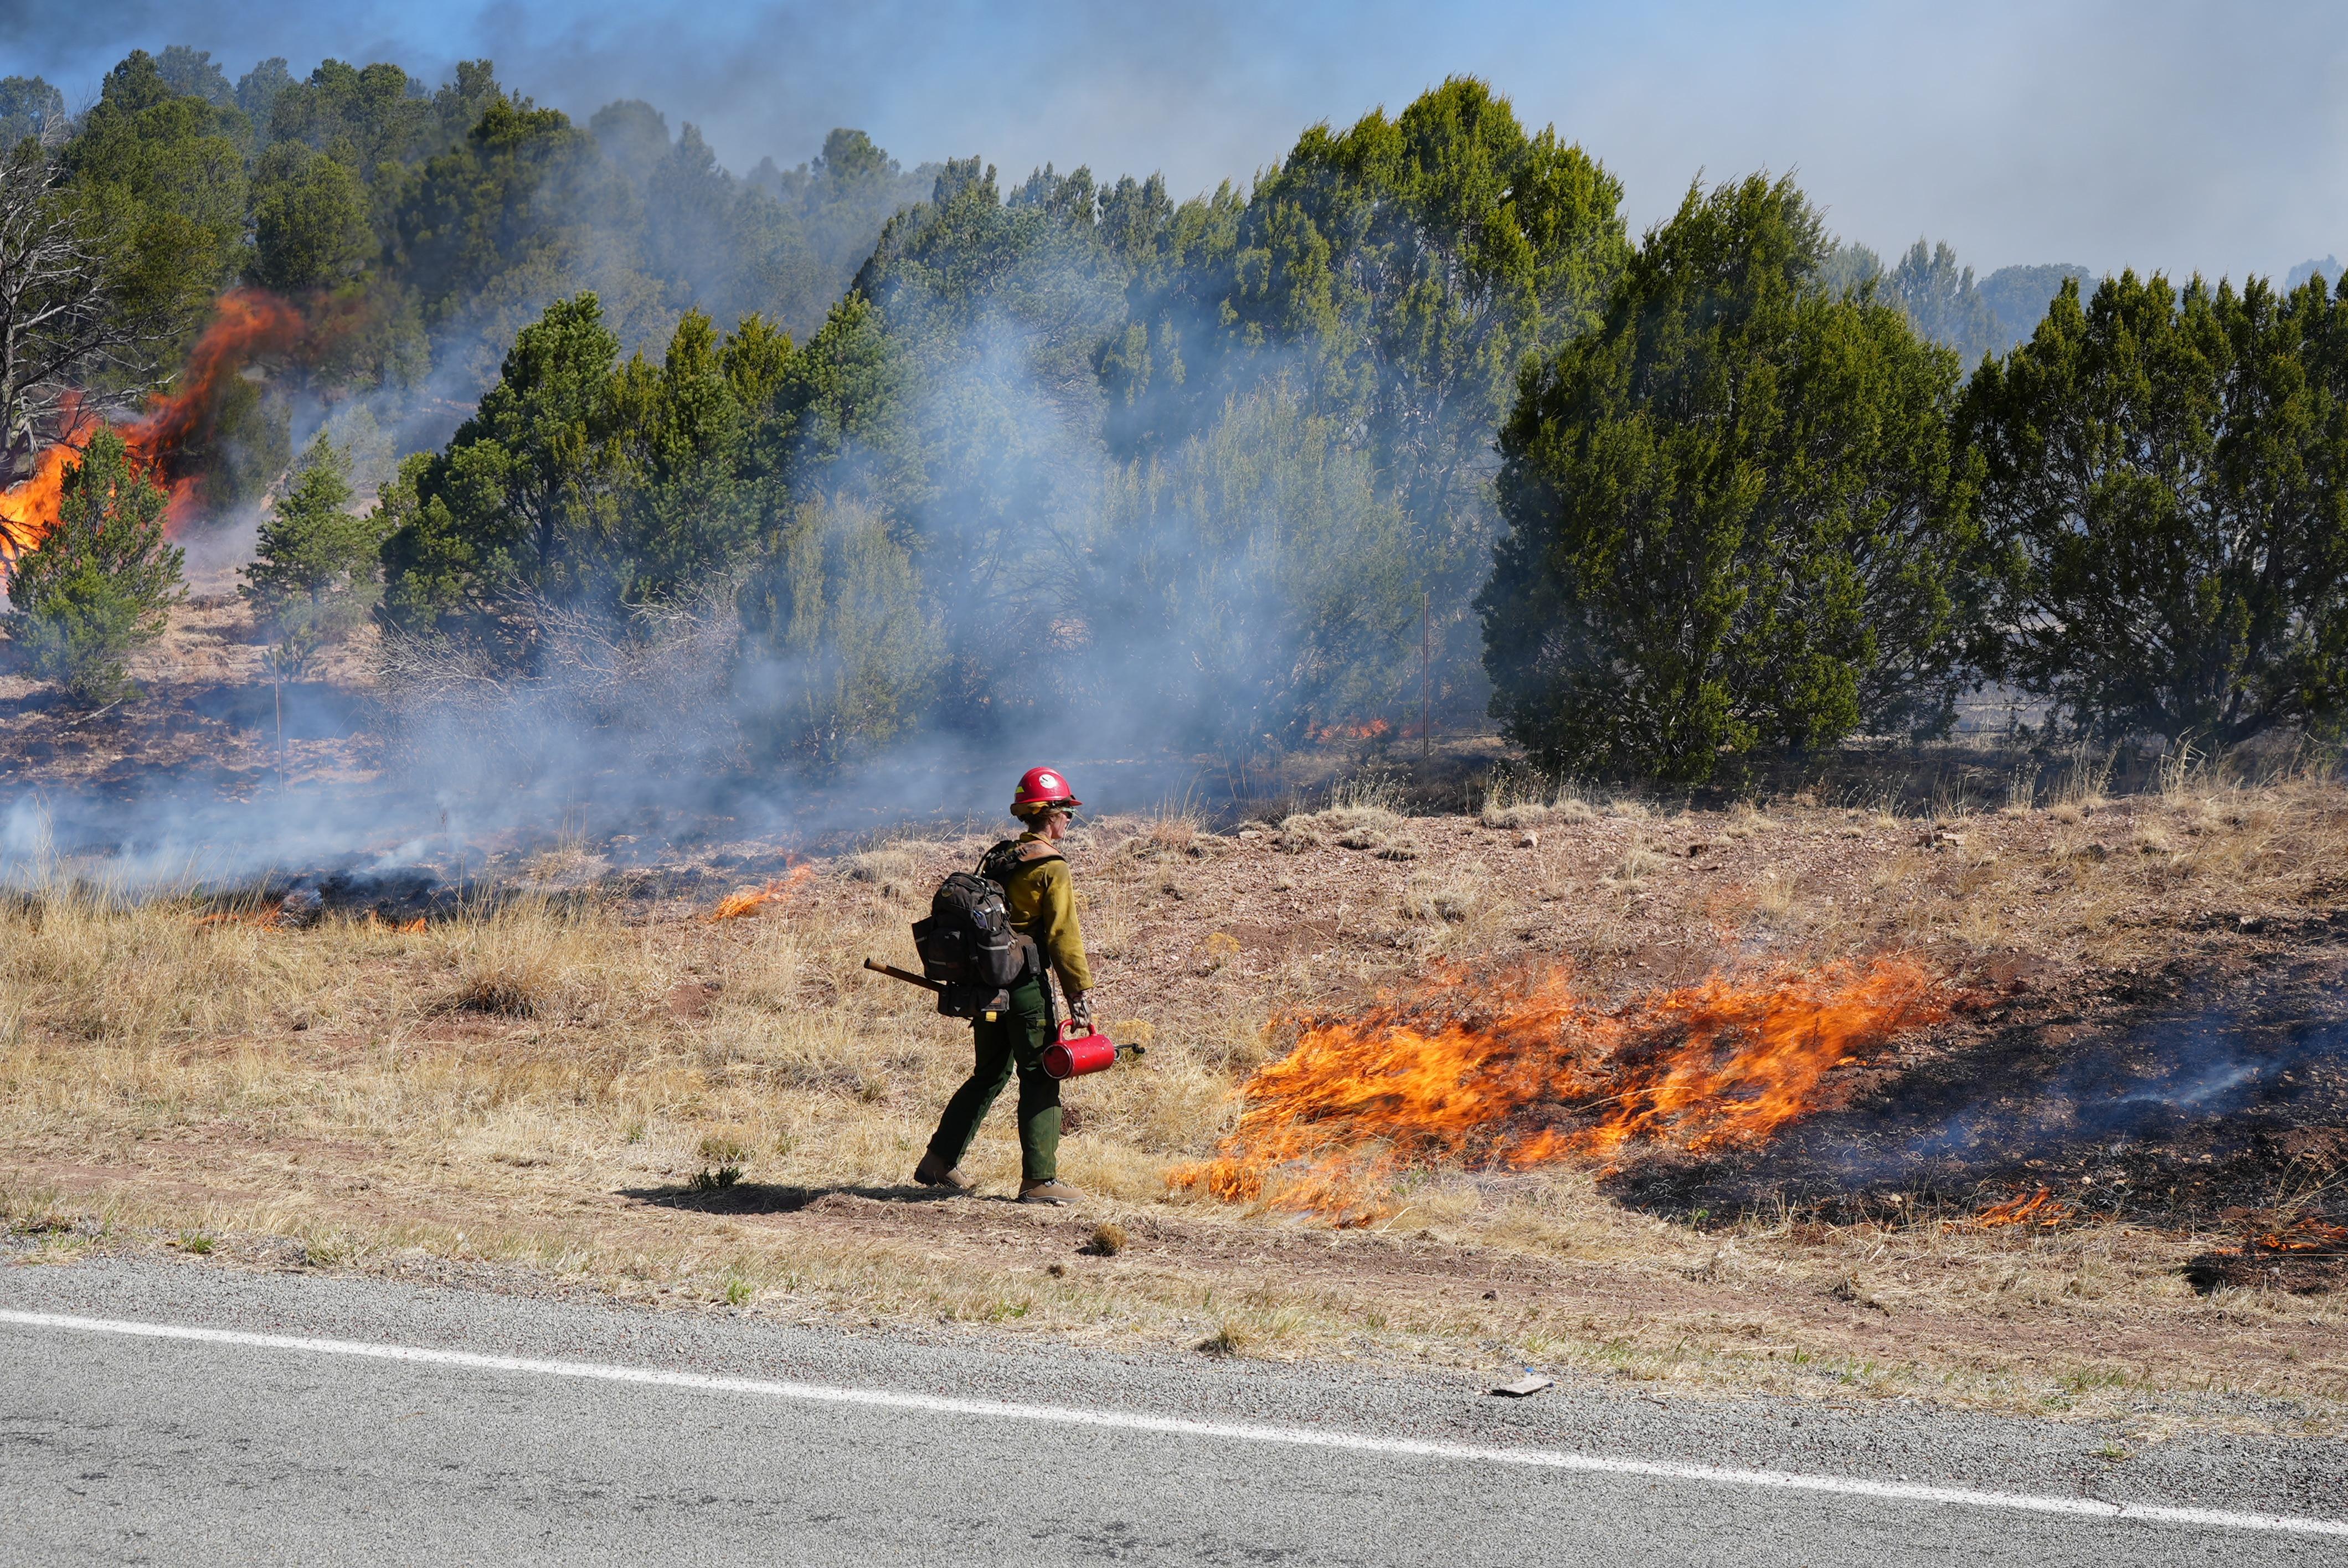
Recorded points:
(28,510)
(2304,1235)
(245,322)
(1366,732)
(2040,1209)
(750,900)
(1520,1071)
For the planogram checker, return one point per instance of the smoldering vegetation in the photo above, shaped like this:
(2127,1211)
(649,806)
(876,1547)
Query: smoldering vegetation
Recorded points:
(2178,1098)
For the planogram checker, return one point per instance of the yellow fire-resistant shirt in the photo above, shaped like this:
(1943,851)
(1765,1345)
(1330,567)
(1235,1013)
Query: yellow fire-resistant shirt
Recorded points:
(1043,902)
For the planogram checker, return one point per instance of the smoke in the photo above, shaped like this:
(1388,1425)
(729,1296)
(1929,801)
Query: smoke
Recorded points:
(2151,1096)
(2175,135)
(1235,584)
(2148,1081)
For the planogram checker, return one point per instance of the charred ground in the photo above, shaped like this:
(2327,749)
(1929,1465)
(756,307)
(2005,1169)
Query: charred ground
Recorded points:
(2207,1096)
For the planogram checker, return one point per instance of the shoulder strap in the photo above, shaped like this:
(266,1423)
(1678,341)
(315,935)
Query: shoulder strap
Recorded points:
(1011,856)
(999,861)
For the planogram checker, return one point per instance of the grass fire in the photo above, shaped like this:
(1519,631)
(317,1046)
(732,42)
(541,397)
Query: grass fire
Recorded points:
(1664,792)
(748,901)
(1517,1070)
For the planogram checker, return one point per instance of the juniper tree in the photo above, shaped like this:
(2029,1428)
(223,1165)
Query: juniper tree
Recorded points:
(102,583)
(1736,517)
(312,579)
(2166,484)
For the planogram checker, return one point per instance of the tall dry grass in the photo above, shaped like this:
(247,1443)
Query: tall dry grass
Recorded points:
(541,1032)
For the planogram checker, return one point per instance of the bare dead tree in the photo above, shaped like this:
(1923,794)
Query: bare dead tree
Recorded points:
(69,341)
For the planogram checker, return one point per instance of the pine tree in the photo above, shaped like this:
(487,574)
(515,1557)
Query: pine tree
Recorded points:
(100,585)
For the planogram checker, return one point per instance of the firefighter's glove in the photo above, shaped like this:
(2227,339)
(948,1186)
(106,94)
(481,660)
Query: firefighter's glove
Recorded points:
(1080,1010)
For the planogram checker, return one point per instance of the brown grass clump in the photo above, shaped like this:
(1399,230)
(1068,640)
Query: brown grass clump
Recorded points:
(1638,863)
(1232,1338)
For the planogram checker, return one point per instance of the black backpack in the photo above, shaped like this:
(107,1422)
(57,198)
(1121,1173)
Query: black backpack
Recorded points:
(967,944)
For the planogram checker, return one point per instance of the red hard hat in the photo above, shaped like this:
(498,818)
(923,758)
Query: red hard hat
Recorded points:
(1043,787)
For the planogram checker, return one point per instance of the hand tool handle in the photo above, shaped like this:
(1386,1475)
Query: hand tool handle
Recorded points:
(894,973)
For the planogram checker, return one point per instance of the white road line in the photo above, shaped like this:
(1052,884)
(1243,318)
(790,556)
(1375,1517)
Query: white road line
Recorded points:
(1179,1426)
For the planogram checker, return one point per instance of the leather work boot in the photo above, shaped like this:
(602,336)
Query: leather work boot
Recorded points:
(1048,1193)
(933,1171)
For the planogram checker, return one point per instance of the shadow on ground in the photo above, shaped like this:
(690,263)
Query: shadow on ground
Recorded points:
(772,1198)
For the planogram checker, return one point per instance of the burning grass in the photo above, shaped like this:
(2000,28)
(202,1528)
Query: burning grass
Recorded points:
(750,901)
(1514,1070)
(2039,1210)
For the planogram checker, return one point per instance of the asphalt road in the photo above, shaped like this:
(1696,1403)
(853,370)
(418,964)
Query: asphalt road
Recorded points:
(521,1430)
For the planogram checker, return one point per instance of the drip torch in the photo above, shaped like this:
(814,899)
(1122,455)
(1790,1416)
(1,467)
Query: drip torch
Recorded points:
(1070,1056)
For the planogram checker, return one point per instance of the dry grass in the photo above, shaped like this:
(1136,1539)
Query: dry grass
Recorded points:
(542,1085)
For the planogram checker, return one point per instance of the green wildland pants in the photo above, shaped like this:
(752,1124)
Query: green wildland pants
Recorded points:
(1017,1037)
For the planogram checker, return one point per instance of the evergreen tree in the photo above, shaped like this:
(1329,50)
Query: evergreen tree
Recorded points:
(2167,481)
(689,499)
(852,647)
(100,584)
(2019,296)
(1735,517)
(1397,274)
(256,95)
(512,509)
(164,174)
(1940,298)
(1253,582)
(192,73)
(29,106)
(310,221)
(312,579)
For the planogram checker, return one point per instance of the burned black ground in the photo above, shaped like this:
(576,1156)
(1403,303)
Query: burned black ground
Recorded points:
(2184,1097)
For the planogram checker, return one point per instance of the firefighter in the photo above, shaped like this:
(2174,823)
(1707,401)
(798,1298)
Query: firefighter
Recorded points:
(1043,902)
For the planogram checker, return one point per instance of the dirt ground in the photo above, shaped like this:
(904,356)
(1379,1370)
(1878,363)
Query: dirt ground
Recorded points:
(588,1084)
(207,717)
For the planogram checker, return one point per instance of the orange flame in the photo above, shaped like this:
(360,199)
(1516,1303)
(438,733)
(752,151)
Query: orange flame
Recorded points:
(245,322)
(2040,1209)
(28,510)
(750,900)
(1521,1070)
(2304,1235)
(1366,732)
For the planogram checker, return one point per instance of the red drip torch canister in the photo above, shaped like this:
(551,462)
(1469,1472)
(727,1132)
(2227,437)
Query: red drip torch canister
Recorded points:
(1073,1055)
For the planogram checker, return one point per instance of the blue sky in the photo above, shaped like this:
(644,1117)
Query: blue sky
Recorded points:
(2170,135)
